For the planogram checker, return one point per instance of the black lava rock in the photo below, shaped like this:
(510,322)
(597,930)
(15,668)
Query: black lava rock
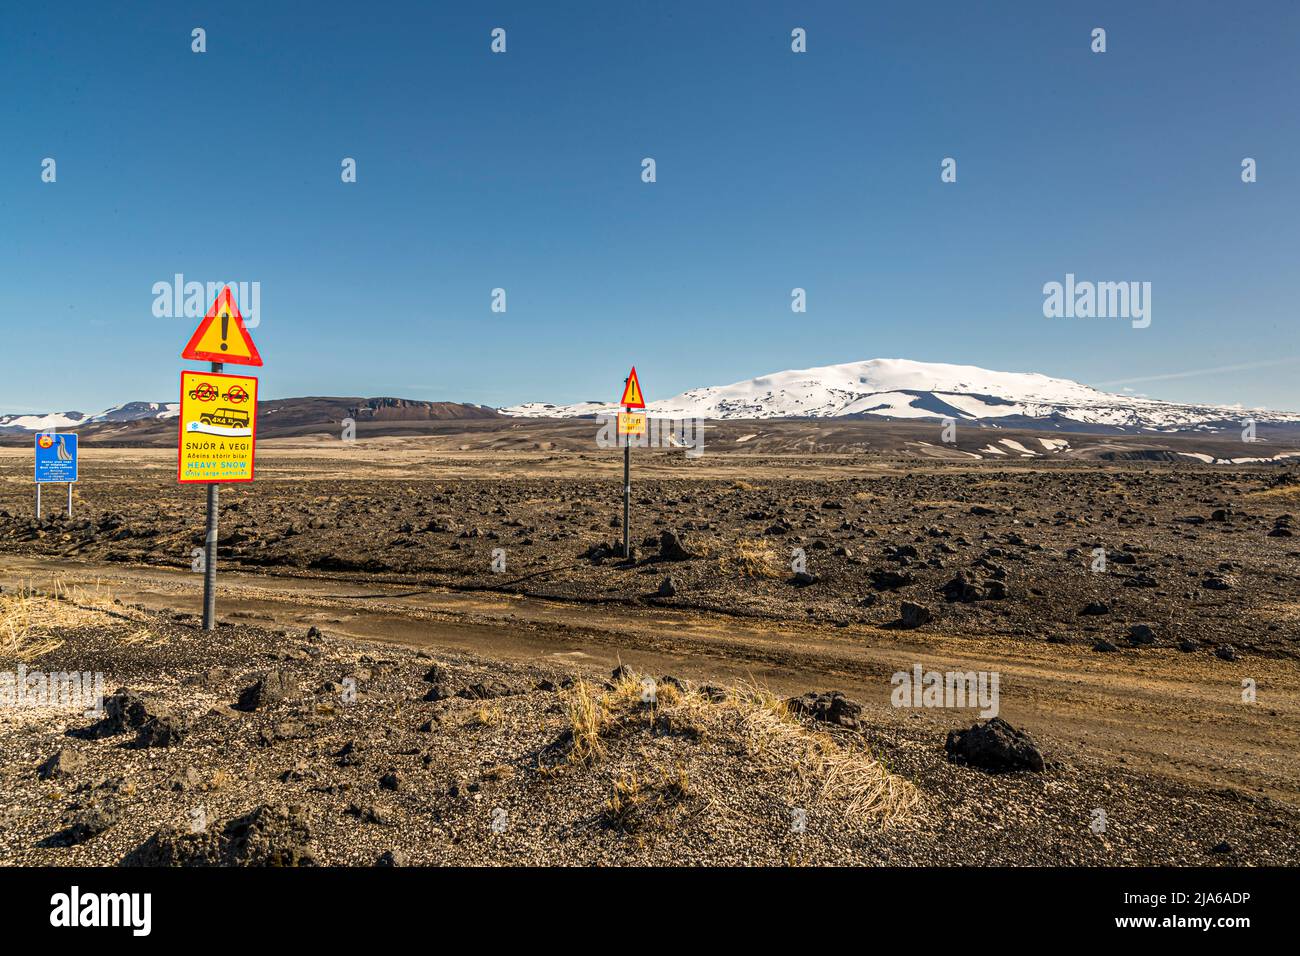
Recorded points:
(995,745)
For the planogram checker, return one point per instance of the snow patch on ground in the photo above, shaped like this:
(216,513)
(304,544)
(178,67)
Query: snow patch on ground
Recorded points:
(1016,446)
(38,423)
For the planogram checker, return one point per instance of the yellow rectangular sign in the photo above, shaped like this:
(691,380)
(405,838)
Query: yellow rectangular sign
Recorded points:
(218,428)
(631,423)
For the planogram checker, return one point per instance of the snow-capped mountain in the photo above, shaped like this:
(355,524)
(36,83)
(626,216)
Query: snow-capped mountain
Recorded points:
(64,421)
(903,389)
(134,411)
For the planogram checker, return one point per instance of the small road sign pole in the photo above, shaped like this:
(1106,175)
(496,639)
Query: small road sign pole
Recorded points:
(632,398)
(210,563)
(627,496)
(210,552)
(56,463)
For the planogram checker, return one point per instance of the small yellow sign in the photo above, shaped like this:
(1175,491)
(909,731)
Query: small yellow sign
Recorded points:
(218,428)
(631,423)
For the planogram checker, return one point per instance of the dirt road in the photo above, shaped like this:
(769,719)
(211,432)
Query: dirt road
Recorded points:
(1158,711)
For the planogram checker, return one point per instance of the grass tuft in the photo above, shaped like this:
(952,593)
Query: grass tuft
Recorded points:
(635,802)
(752,558)
(486,715)
(588,716)
(808,765)
(31,619)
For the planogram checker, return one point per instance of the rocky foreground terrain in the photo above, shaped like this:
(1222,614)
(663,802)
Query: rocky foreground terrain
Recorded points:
(256,747)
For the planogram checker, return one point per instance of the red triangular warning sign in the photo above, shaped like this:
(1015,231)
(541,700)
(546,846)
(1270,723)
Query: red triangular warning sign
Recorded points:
(221,336)
(632,392)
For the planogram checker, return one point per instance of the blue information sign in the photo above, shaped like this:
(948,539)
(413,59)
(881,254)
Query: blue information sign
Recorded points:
(56,457)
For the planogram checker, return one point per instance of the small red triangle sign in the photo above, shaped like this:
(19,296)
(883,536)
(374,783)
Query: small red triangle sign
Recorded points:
(221,336)
(632,392)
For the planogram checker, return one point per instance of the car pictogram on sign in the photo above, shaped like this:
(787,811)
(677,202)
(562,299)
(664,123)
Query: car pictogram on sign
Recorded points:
(236,395)
(226,417)
(206,392)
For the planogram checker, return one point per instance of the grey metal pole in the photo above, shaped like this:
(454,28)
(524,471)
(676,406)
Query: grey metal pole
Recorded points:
(210,553)
(69,499)
(38,501)
(210,564)
(627,496)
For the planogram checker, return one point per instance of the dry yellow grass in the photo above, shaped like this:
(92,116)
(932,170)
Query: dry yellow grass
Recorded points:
(140,636)
(1282,493)
(820,767)
(812,766)
(588,716)
(751,558)
(32,619)
(635,800)
(486,715)
(1288,611)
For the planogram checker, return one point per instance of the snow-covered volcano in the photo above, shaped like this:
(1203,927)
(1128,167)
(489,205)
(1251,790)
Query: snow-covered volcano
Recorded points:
(903,389)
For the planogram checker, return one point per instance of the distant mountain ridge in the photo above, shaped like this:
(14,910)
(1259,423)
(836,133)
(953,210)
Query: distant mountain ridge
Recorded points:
(276,417)
(904,389)
(877,389)
(65,421)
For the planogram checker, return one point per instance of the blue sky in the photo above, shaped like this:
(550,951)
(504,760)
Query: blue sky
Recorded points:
(523,171)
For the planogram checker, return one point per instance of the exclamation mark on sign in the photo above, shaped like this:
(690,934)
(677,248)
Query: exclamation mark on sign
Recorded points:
(225,327)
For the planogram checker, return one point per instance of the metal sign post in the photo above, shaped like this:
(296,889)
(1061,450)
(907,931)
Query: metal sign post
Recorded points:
(627,496)
(217,436)
(218,429)
(210,552)
(631,399)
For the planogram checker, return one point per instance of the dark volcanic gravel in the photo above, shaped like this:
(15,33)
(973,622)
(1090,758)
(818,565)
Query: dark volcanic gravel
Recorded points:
(1197,555)
(343,760)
